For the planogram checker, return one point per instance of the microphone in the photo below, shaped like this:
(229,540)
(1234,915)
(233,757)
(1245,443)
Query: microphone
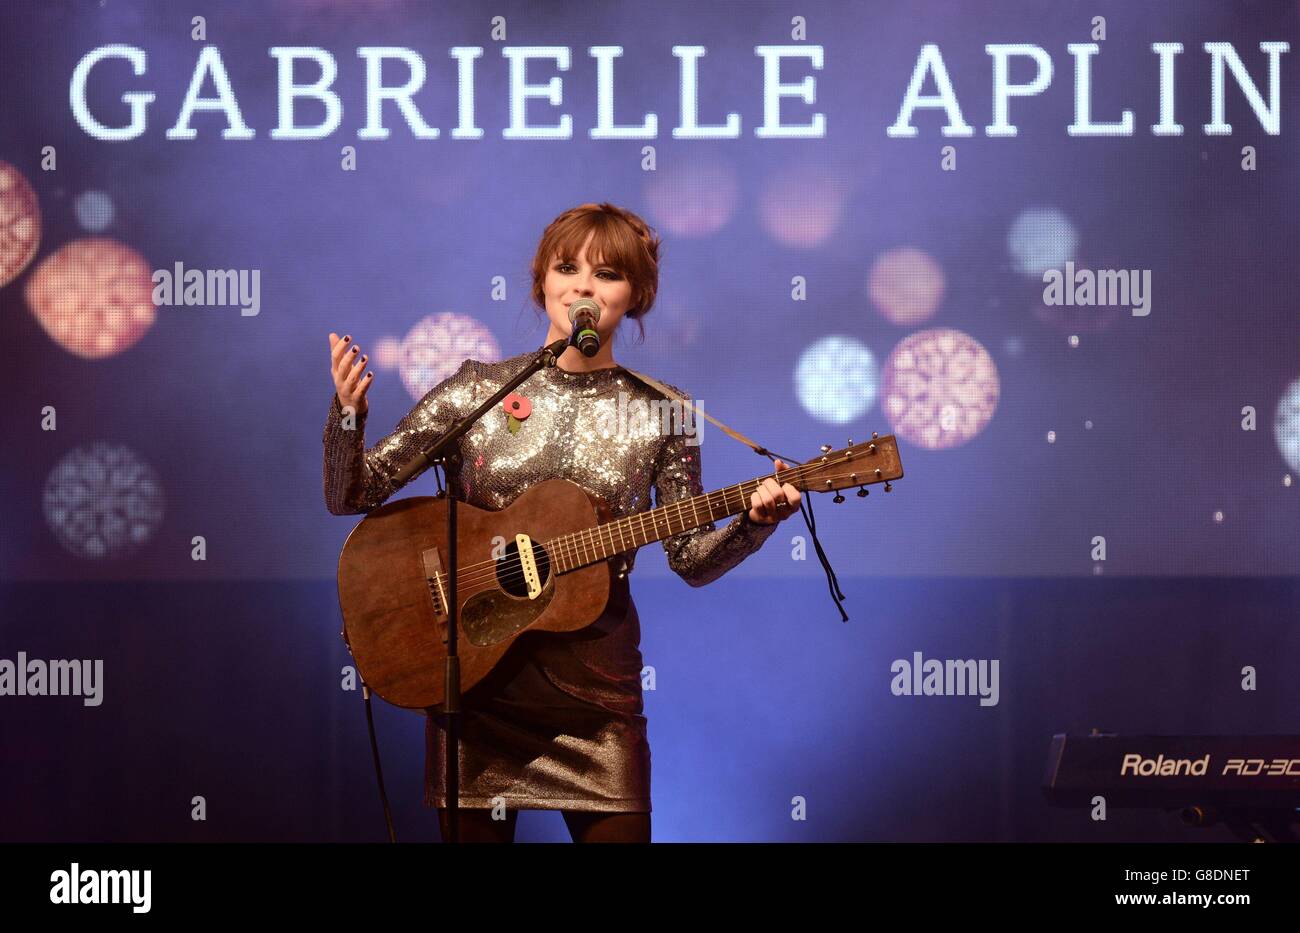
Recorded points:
(583,315)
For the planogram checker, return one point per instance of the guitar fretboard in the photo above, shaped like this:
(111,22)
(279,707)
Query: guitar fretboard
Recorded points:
(576,550)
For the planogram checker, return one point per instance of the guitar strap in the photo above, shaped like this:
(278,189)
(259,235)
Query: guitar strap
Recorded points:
(805,502)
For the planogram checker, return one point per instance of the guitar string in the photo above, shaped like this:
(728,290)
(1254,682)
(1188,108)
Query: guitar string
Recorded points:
(473,574)
(580,546)
(582,540)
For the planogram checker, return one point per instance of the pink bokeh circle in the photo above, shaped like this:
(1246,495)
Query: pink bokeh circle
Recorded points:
(93,296)
(941,388)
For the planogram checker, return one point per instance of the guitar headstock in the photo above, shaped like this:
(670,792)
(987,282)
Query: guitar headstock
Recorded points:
(873,461)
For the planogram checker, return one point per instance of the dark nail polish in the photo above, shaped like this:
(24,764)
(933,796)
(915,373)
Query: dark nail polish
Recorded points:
(346,339)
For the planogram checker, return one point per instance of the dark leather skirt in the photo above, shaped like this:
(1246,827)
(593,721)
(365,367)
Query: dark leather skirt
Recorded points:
(529,745)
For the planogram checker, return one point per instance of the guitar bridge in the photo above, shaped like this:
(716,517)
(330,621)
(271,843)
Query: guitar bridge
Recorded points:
(437,582)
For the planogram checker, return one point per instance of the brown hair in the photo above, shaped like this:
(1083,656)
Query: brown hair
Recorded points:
(622,241)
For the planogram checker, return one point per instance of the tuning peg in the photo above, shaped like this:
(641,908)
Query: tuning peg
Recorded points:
(826,448)
(839,497)
(863,492)
(850,442)
(874,435)
(889,487)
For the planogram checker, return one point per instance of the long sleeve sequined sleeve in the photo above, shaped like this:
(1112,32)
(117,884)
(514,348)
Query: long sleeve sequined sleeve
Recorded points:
(702,554)
(358,480)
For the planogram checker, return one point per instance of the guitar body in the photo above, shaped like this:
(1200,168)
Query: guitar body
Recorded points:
(395,589)
(394,586)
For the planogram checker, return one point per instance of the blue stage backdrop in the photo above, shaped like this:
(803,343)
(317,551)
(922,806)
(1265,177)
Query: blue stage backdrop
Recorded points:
(1049,246)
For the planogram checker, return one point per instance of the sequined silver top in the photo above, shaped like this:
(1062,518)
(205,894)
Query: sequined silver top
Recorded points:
(568,435)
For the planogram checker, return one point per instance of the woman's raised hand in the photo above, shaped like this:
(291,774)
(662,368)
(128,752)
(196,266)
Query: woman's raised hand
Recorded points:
(351,381)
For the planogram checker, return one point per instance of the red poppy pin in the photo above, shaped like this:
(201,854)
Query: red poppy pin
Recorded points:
(517,408)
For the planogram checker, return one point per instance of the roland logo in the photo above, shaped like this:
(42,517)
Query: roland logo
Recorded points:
(1160,766)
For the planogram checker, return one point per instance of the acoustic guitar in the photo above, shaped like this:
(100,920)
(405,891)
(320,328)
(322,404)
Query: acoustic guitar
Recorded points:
(548,562)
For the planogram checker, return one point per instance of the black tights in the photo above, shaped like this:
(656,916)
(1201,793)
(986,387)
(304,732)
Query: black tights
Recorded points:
(584,826)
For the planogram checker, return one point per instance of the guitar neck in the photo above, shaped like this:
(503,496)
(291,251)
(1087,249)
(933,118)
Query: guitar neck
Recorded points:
(873,461)
(581,548)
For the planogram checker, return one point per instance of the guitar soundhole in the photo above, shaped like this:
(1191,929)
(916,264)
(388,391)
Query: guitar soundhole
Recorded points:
(510,571)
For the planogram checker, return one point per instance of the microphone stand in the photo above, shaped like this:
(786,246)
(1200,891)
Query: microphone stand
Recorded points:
(434,453)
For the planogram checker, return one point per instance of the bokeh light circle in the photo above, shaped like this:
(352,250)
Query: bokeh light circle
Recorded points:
(20,223)
(103,501)
(1286,426)
(692,199)
(906,285)
(836,379)
(437,345)
(801,206)
(387,353)
(679,325)
(1041,238)
(1074,320)
(93,296)
(941,388)
(94,210)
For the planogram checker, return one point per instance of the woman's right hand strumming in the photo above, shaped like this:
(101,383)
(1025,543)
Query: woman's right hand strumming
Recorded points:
(351,381)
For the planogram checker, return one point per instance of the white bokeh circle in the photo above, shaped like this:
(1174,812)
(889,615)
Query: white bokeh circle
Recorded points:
(437,345)
(1041,238)
(1286,426)
(103,501)
(836,379)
